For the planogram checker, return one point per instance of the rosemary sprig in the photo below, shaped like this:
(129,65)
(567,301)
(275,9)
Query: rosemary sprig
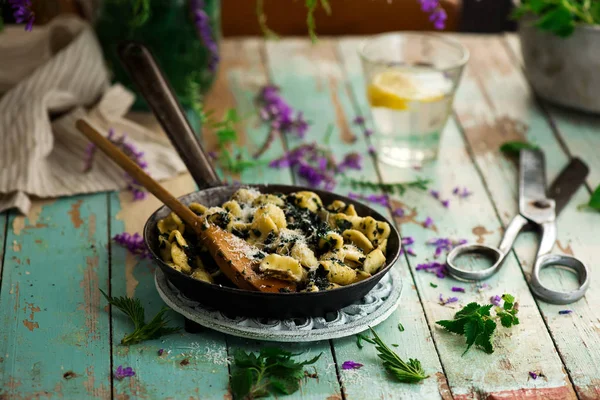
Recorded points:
(390,188)
(409,372)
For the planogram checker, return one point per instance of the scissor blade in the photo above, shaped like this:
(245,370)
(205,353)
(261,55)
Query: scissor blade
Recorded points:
(567,183)
(532,180)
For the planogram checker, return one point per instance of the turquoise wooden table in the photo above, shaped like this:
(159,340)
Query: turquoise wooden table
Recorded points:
(60,339)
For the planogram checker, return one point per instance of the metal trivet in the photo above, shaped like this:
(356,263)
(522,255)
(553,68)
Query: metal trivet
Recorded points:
(372,309)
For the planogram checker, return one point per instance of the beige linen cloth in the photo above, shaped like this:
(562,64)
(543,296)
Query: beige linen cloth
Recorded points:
(49,78)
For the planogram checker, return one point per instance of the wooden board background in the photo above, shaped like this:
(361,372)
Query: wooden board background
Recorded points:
(58,337)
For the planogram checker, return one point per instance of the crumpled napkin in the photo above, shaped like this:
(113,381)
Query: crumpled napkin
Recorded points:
(49,78)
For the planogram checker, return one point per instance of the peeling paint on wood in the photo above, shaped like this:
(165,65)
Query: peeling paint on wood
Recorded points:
(74,214)
(21,222)
(480,232)
(41,329)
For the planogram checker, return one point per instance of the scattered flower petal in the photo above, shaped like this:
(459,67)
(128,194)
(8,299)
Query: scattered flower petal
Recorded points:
(533,375)
(359,120)
(408,240)
(134,243)
(446,203)
(458,289)
(372,150)
(428,222)
(482,286)
(351,365)
(435,194)
(434,267)
(565,312)
(448,300)
(410,252)
(368,132)
(496,300)
(398,212)
(160,352)
(121,372)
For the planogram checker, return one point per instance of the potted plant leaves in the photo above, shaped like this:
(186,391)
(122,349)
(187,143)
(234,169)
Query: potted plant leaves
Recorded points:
(560,43)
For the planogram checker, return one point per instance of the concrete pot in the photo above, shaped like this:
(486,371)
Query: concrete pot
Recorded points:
(564,71)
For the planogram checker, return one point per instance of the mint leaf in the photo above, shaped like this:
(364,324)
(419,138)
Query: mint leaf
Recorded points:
(516,146)
(558,21)
(594,202)
(476,323)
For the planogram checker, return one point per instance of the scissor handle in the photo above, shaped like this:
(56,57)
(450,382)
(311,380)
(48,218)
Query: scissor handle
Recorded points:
(554,296)
(474,249)
(498,255)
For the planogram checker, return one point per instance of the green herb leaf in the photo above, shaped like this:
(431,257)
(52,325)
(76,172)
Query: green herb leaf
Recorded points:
(391,188)
(400,327)
(477,324)
(433,285)
(272,370)
(594,202)
(516,147)
(133,308)
(409,372)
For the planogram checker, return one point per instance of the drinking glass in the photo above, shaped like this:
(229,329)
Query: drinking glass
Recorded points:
(411,80)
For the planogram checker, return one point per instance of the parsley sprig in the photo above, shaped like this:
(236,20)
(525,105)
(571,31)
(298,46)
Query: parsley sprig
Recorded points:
(133,308)
(478,325)
(391,188)
(271,371)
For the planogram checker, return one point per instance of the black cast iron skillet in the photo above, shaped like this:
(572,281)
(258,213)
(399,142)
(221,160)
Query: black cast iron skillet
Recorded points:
(157,92)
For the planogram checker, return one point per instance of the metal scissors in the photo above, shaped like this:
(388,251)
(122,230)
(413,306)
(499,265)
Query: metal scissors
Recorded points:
(535,208)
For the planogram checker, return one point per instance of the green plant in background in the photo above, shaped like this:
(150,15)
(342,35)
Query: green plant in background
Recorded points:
(182,35)
(560,16)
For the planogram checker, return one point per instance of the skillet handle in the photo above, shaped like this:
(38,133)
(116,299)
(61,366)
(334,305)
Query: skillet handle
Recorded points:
(151,82)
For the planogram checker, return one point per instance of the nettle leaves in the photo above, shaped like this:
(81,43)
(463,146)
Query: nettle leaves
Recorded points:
(478,325)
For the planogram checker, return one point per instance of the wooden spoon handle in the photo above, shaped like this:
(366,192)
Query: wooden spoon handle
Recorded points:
(137,173)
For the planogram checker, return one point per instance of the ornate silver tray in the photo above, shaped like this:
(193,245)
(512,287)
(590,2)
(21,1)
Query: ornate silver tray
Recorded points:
(371,310)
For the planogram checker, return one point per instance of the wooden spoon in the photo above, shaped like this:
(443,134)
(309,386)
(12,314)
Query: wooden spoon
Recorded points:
(229,251)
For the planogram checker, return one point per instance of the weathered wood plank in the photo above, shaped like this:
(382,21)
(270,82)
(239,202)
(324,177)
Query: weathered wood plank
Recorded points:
(475,375)
(54,336)
(245,75)
(313,79)
(3,222)
(576,230)
(576,338)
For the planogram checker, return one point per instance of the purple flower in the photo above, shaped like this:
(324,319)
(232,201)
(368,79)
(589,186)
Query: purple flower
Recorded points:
(533,375)
(458,289)
(428,222)
(446,203)
(407,241)
(455,191)
(448,300)
(134,243)
(350,161)
(359,120)
(275,111)
(160,352)
(398,212)
(368,132)
(410,252)
(435,194)
(372,150)
(496,300)
(433,267)
(381,199)
(202,22)
(354,196)
(443,244)
(564,312)
(462,194)
(437,15)
(23,13)
(138,191)
(121,372)
(351,365)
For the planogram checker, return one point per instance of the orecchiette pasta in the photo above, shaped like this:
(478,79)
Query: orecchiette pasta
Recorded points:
(294,238)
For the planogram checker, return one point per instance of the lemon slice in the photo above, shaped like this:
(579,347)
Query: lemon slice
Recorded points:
(394,89)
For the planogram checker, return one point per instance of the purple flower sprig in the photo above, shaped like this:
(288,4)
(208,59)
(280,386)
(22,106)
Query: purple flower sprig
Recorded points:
(138,191)
(359,120)
(276,111)
(437,14)
(23,13)
(316,165)
(351,365)
(133,243)
(444,244)
(121,372)
(205,32)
